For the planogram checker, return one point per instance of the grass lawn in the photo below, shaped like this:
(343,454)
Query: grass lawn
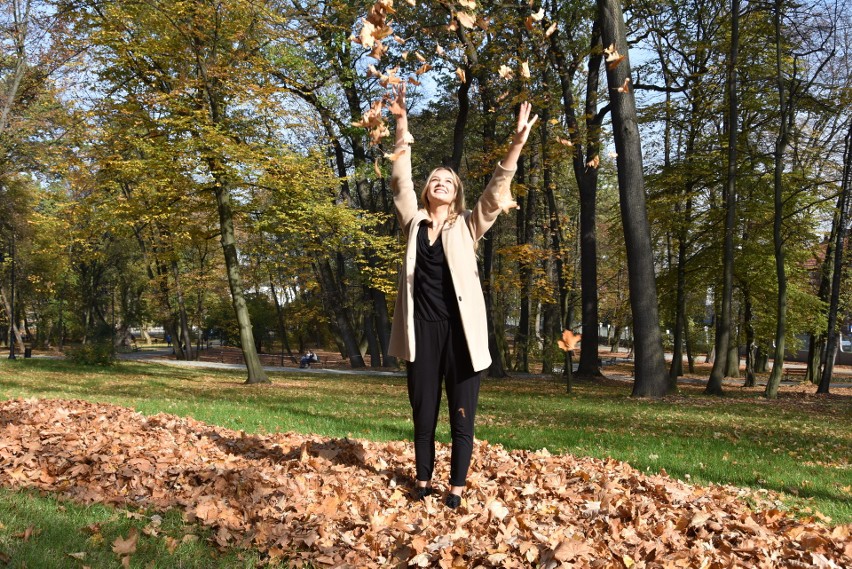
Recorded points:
(798,446)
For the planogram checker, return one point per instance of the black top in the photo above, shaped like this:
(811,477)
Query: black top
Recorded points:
(434,294)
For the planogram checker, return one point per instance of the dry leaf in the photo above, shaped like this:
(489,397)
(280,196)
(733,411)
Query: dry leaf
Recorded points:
(419,57)
(460,74)
(550,30)
(505,72)
(376,169)
(423,69)
(537,17)
(466,19)
(625,87)
(79,556)
(126,546)
(594,162)
(565,141)
(569,340)
(439,50)
(525,70)
(469,4)
(613,58)
(323,501)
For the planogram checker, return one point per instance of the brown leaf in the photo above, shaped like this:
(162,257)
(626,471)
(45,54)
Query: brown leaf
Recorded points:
(126,546)
(613,58)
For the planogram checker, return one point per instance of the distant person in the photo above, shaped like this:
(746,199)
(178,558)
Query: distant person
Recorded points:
(168,340)
(439,324)
(309,358)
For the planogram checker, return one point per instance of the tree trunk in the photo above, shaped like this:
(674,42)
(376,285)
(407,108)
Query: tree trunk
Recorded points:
(751,348)
(587,182)
(651,379)
(844,206)
(335,301)
(256,373)
(282,326)
(778,217)
(723,323)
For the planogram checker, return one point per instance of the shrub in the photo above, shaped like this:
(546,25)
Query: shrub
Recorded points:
(98,353)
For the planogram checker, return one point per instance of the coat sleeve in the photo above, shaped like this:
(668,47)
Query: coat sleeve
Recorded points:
(496,196)
(404,197)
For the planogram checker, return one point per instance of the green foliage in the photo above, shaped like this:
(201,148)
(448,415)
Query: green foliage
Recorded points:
(101,353)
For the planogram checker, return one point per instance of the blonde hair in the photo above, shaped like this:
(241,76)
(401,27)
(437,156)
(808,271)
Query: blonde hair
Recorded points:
(457,207)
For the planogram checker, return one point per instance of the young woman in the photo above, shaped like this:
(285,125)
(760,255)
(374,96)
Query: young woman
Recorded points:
(439,324)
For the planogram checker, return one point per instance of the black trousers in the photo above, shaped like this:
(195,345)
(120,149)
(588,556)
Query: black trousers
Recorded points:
(442,354)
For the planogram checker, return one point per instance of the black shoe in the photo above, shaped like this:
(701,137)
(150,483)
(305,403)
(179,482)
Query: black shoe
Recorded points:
(421,492)
(452,501)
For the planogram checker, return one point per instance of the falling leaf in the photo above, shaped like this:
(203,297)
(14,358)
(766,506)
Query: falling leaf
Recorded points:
(439,50)
(625,87)
(423,69)
(452,26)
(412,2)
(466,19)
(550,30)
(594,162)
(469,4)
(419,57)
(613,58)
(376,169)
(399,40)
(537,17)
(613,155)
(379,50)
(525,70)
(460,74)
(505,72)
(564,141)
(414,81)
(366,36)
(528,23)
(126,546)
(569,340)
(483,23)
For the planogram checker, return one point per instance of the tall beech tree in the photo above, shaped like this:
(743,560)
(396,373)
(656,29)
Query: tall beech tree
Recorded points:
(650,374)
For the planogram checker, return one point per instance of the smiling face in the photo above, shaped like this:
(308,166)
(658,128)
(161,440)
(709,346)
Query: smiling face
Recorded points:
(443,188)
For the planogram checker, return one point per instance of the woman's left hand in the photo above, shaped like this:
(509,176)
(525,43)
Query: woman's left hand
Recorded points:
(525,124)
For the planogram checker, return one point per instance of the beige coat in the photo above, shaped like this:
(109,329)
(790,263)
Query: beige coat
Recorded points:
(458,242)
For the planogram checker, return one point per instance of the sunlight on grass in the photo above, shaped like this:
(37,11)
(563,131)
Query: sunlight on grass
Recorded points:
(797,446)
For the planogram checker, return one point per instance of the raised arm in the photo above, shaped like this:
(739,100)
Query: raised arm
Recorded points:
(497,196)
(404,196)
(519,138)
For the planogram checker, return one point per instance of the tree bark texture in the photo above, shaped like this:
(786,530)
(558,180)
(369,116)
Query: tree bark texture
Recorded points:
(651,378)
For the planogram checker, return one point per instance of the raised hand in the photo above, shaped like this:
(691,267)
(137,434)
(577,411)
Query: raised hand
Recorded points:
(525,124)
(519,138)
(397,106)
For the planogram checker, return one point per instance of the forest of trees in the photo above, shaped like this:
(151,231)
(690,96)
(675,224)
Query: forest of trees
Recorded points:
(221,169)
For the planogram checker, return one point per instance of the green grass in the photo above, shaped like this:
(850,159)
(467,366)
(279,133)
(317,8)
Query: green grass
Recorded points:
(798,446)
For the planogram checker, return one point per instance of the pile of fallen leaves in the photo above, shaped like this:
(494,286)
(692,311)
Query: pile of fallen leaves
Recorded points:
(347,502)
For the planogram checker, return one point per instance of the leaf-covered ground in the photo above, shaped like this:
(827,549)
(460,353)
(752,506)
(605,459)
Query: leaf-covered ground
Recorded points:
(342,502)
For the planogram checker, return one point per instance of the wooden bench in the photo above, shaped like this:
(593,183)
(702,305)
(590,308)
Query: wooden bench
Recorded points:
(794,372)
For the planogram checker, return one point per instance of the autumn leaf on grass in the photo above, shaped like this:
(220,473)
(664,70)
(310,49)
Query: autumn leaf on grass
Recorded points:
(27,533)
(78,556)
(569,340)
(126,546)
(613,58)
